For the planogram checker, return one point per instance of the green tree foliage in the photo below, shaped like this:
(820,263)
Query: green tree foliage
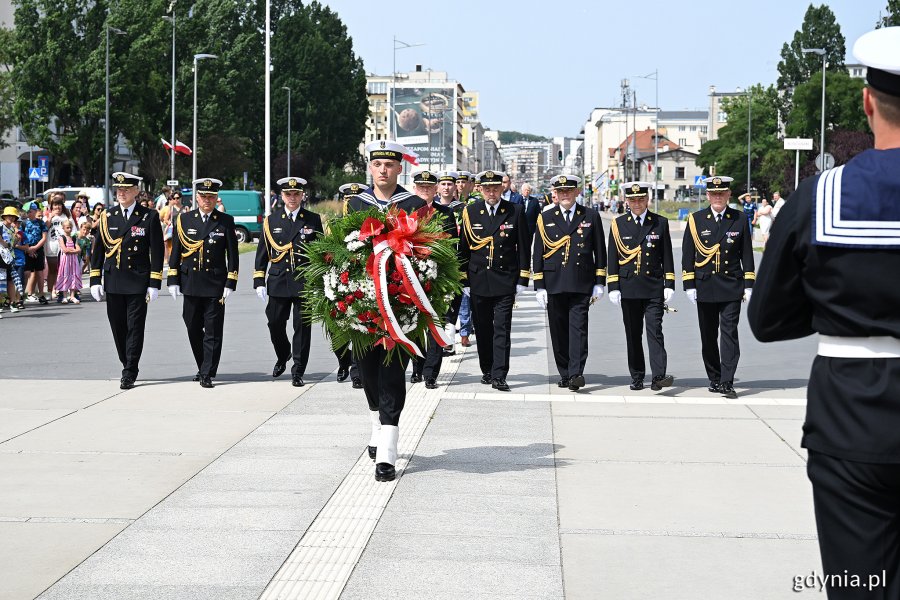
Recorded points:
(7,121)
(892,16)
(819,30)
(510,137)
(843,106)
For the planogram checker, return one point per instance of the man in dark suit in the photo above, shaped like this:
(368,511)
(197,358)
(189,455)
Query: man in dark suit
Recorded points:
(126,262)
(507,193)
(280,250)
(718,273)
(494,247)
(203,267)
(569,264)
(532,208)
(642,280)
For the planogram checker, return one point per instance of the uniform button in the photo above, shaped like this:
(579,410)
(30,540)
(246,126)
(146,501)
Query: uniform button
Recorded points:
(648,272)
(646,254)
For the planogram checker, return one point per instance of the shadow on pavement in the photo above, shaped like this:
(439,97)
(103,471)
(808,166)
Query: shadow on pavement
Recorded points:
(489,459)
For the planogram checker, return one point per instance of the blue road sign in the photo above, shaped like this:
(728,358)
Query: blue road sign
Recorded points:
(698,181)
(43,162)
(34,174)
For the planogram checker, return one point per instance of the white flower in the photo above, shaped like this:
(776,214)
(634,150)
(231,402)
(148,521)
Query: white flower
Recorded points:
(353,235)
(354,246)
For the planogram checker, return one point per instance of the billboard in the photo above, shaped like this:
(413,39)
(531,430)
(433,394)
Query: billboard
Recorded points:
(425,123)
(470,107)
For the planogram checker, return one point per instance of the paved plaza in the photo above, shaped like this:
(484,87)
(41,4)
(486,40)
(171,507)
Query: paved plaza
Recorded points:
(256,489)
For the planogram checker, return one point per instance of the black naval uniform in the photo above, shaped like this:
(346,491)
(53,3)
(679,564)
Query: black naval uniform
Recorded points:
(204,261)
(640,267)
(838,279)
(717,261)
(128,258)
(384,384)
(494,253)
(280,251)
(569,259)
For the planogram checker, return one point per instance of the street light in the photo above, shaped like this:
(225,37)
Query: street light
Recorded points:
(402,46)
(197,58)
(172,152)
(106,122)
(655,77)
(820,51)
(284,87)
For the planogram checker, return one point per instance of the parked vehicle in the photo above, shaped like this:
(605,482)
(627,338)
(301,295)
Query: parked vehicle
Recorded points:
(247,208)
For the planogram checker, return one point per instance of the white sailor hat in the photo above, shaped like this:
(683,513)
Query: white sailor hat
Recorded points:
(490,177)
(291,183)
(424,177)
(565,182)
(123,179)
(385,149)
(207,185)
(636,189)
(352,189)
(718,183)
(879,51)
(464,176)
(447,176)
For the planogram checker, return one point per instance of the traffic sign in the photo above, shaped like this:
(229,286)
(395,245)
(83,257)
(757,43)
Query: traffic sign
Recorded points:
(698,181)
(34,174)
(172,183)
(798,144)
(829,162)
(43,162)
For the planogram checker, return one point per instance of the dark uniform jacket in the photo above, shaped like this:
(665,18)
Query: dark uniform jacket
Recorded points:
(400,199)
(569,258)
(204,259)
(128,257)
(640,258)
(494,252)
(281,250)
(717,258)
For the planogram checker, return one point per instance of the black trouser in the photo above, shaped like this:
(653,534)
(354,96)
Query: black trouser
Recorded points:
(858,520)
(492,316)
(429,366)
(346,360)
(205,320)
(713,317)
(634,313)
(127,315)
(567,315)
(384,384)
(278,310)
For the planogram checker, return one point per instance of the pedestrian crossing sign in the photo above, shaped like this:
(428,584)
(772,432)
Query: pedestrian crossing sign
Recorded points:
(34,174)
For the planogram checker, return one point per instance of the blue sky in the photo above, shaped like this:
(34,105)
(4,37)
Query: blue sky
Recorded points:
(540,67)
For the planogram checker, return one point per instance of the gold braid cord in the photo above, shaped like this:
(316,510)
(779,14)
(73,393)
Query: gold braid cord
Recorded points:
(190,246)
(702,250)
(275,247)
(114,245)
(477,242)
(627,254)
(554,246)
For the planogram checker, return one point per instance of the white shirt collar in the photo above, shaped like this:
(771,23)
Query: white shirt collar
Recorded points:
(292,215)
(641,216)
(716,214)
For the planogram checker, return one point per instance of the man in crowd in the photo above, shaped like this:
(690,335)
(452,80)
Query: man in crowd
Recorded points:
(34,237)
(532,208)
(508,193)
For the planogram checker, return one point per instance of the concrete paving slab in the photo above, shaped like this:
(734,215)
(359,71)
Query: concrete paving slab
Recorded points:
(791,431)
(262,396)
(452,522)
(65,591)
(15,422)
(780,412)
(634,410)
(461,548)
(58,394)
(451,481)
(434,454)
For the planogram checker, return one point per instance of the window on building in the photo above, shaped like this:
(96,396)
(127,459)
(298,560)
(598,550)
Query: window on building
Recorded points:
(722,117)
(682,141)
(659,172)
(377,87)
(693,128)
(679,172)
(704,129)
(682,128)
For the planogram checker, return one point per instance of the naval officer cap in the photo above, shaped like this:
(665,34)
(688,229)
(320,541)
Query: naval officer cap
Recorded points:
(386,150)
(718,183)
(207,185)
(424,177)
(351,189)
(636,189)
(291,183)
(879,51)
(122,179)
(464,176)
(447,176)
(565,182)
(490,177)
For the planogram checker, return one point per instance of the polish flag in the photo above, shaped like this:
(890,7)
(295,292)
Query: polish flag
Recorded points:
(180,147)
(412,158)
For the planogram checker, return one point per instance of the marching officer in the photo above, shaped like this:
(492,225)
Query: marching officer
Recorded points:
(126,262)
(642,280)
(718,273)
(494,248)
(569,265)
(203,267)
(280,251)
(384,383)
(346,362)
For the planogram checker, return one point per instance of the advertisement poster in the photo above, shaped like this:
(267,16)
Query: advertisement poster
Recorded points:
(424,123)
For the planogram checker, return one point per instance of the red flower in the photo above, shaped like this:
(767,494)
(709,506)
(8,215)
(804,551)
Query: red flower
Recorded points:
(345,277)
(359,294)
(342,307)
(349,299)
(404,299)
(328,257)
(393,289)
(370,228)
(395,276)
(333,313)
(427,286)
(372,329)
(362,317)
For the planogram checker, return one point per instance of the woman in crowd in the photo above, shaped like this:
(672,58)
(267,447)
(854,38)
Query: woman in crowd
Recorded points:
(763,218)
(69,280)
(167,217)
(78,210)
(95,215)
(58,214)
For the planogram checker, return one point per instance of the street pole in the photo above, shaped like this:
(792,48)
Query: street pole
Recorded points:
(749,129)
(172,151)
(106,120)
(194,149)
(797,171)
(284,87)
(267,166)
(821,52)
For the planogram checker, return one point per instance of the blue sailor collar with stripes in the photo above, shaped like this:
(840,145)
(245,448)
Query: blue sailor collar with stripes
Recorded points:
(368,196)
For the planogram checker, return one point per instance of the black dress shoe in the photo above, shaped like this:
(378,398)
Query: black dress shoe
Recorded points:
(449,351)
(715,387)
(196,377)
(126,383)
(385,472)
(357,383)
(500,384)
(297,381)
(206,382)
(431,383)
(372,450)
(278,369)
(563,383)
(486,379)
(728,390)
(661,381)
(416,378)
(576,382)
(343,374)
(637,384)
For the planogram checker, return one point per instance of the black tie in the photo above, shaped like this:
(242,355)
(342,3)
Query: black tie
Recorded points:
(638,221)
(493,212)
(719,218)
(568,217)
(292,217)
(204,218)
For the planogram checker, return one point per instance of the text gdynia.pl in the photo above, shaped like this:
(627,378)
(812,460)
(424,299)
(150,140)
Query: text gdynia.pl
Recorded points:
(839,580)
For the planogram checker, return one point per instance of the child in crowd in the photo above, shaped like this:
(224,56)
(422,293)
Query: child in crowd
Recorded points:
(69,277)
(85,240)
(12,262)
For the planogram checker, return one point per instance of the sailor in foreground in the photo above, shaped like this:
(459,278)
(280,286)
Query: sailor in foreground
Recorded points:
(384,384)
(126,262)
(494,248)
(718,274)
(346,362)
(203,267)
(642,281)
(569,265)
(831,268)
(280,250)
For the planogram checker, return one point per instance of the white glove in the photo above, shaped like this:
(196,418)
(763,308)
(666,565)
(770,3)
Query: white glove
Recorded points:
(521,288)
(97,292)
(541,297)
(667,294)
(747,293)
(225,293)
(466,291)
(615,297)
(692,295)
(261,293)
(174,290)
(597,292)
(152,294)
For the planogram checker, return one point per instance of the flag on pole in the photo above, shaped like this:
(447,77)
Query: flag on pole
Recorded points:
(412,158)
(180,147)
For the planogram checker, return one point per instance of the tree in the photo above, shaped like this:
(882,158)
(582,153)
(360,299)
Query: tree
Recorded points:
(819,30)
(843,106)
(510,137)
(7,121)
(892,18)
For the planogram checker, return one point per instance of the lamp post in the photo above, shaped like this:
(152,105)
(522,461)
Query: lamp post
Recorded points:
(824,55)
(197,59)
(749,129)
(106,120)
(284,87)
(655,77)
(402,46)
(172,153)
